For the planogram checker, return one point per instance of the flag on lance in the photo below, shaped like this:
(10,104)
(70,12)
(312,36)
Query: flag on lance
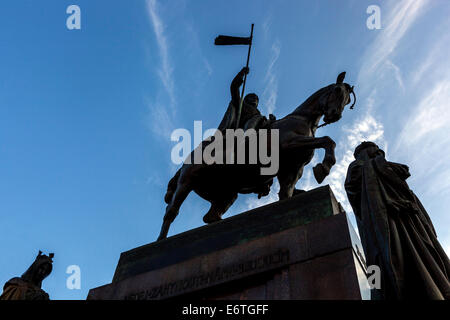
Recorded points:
(222,40)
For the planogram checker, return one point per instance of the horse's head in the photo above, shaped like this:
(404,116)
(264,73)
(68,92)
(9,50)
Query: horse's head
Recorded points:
(335,99)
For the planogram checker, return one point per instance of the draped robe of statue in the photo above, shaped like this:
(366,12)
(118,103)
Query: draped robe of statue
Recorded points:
(28,286)
(395,229)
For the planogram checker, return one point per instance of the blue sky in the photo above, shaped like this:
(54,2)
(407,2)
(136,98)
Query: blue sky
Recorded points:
(86,115)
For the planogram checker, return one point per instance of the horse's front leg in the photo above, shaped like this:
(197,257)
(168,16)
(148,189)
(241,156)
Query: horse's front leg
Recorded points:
(321,170)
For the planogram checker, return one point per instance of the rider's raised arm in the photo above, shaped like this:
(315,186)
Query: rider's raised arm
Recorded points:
(235,85)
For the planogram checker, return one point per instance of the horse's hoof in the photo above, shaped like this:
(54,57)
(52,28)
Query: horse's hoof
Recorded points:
(209,218)
(297,192)
(161,236)
(320,172)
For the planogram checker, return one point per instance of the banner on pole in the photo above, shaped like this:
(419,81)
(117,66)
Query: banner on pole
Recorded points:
(222,40)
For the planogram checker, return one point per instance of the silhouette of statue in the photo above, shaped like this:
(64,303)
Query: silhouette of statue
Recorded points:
(28,286)
(220,184)
(395,229)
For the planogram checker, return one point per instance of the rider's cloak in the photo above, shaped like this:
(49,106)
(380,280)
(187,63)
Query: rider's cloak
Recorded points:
(250,118)
(229,119)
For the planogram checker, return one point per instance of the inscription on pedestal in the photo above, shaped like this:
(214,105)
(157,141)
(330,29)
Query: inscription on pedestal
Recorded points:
(219,275)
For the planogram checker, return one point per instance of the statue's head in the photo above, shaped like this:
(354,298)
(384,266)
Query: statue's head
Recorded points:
(336,98)
(40,269)
(367,149)
(251,99)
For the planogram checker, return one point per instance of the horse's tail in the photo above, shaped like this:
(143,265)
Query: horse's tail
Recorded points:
(171,187)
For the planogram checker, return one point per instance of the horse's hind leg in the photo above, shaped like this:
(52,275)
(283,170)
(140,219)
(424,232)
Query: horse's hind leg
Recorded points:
(173,208)
(218,208)
(288,179)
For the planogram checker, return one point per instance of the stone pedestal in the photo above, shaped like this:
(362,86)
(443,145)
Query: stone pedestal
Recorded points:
(300,248)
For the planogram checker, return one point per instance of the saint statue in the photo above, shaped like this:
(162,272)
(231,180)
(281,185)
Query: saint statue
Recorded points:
(396,232)
(251,117)
(28,286)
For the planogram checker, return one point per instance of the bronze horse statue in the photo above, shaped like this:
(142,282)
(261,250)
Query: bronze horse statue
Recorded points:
(220,184)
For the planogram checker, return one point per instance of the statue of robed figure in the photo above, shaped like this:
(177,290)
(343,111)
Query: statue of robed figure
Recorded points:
(28,286)
(396,231)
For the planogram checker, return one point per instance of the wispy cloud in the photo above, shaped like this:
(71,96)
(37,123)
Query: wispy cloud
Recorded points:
(270,80)
(434,54)
(435,64)
(159,119)
(429,117)
(196,48)
(425,137)
(267,24)
(165,71)
(399,20)
(270,93)
(425,134)
(397,73)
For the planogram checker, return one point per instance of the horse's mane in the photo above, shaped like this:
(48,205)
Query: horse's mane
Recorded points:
(310,100)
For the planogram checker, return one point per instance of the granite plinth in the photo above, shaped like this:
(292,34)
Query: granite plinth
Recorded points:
(299,248)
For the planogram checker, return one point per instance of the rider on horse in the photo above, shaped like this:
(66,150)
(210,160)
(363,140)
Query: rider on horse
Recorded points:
(251,117)
(221,185)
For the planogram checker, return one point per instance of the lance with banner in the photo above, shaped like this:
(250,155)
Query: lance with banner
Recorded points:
(222,40)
